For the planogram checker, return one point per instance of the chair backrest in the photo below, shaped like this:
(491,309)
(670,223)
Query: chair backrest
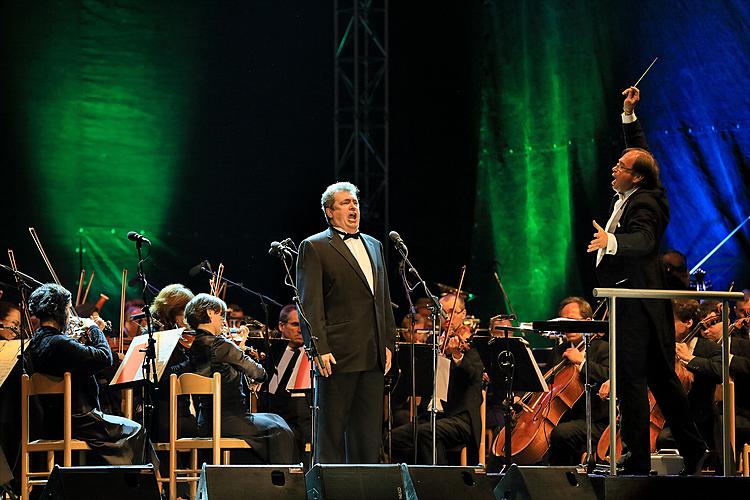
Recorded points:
(41,384)
(189,384)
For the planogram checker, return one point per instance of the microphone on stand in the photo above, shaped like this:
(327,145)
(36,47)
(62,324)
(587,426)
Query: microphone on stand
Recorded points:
(396,238)
(277,250)
(195,270)
(133,236)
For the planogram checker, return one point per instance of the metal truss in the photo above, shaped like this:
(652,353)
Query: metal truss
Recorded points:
(360,118)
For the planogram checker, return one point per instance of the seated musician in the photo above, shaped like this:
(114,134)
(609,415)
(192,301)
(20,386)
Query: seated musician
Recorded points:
(294,408)
(742,312)
(568,438)
(168,313)
(114,440)
(10,391)
(270,437)
(698,366)
(459,423)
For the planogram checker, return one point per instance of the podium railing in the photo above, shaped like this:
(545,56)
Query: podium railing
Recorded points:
(612,294)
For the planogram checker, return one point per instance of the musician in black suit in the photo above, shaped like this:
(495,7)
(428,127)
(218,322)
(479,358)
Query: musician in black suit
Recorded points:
(568,438)
(343,285)
(702,359)
(628,256)
(459,422)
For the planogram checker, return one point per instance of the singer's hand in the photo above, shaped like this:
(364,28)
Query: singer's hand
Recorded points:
(388,356)
(328,360)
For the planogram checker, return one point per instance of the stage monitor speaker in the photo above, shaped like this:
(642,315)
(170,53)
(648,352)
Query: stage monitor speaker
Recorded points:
(359,482)
(440,481)
(220,482)
(94,483)
(544,483)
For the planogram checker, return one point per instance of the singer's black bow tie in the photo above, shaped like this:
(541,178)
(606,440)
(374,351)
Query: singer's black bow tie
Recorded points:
(347,235)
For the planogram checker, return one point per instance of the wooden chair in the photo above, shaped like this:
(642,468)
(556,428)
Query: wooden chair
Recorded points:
(190,383)
(40,384)
(482,442)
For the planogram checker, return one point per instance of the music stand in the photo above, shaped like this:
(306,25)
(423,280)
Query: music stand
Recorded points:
(423,365)
(587,328)
(509,359)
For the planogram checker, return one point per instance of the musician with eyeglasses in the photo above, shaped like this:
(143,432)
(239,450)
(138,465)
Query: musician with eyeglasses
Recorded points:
(292,406)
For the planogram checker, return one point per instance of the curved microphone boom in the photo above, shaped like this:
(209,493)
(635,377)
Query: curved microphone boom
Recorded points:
(133,236)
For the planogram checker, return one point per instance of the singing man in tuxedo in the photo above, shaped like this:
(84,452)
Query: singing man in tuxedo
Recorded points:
(343,286)
(628,256)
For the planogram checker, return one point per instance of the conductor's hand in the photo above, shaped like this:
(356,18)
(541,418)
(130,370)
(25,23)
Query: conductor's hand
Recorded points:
(604,390)
(600,239)
(632,96)
(388,356)
(328,361)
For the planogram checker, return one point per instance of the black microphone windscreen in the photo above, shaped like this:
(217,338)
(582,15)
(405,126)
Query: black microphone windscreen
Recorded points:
(133,236)
(394,236)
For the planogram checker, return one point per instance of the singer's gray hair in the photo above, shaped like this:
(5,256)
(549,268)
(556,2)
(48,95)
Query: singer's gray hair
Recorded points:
(327,199)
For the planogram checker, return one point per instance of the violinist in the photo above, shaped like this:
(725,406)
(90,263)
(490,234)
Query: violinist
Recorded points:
(294,408)
(702,360)
(10,320)
(568,438)
(114,440)
(742,312)
(168,311)
(270,437)
(10,391)
(459,424)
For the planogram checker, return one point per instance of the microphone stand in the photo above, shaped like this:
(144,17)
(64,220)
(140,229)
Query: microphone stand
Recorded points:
(149,361)
(413,402)
(312,351)
(437,311)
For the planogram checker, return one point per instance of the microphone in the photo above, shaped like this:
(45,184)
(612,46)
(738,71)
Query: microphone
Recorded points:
(276,250)
(396,238)
(133,236)
(195,270)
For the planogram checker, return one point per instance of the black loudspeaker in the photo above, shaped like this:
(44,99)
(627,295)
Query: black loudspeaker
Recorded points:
(93,483)
(220,482)
(359,482)
(439,482)
(543,483)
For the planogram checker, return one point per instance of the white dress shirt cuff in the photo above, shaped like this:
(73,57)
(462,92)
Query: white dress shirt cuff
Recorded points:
(611,244)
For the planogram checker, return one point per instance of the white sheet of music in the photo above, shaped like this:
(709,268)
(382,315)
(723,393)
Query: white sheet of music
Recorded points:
(9,351)
(283,365)
(443,379)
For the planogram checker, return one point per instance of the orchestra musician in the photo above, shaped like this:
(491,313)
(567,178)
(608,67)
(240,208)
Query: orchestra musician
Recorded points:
(627,254)
(568,438)
(459,423)
(114,440)
(294,408)
(269,436)
(702,358)
(742,310)
(168,311)
(343,285)
(10,391)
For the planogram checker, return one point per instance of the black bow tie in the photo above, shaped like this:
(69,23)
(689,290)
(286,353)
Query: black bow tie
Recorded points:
(347,235)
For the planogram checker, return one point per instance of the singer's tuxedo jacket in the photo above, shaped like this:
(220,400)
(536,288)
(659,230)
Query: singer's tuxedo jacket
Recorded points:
(349,320)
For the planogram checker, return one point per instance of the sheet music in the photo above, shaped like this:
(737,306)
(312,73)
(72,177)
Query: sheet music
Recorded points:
(9,351)
(130,369)
(443,379)
(300,377)
(273,385)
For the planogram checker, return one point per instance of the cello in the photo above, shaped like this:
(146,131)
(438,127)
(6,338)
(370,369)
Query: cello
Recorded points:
(541,412)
